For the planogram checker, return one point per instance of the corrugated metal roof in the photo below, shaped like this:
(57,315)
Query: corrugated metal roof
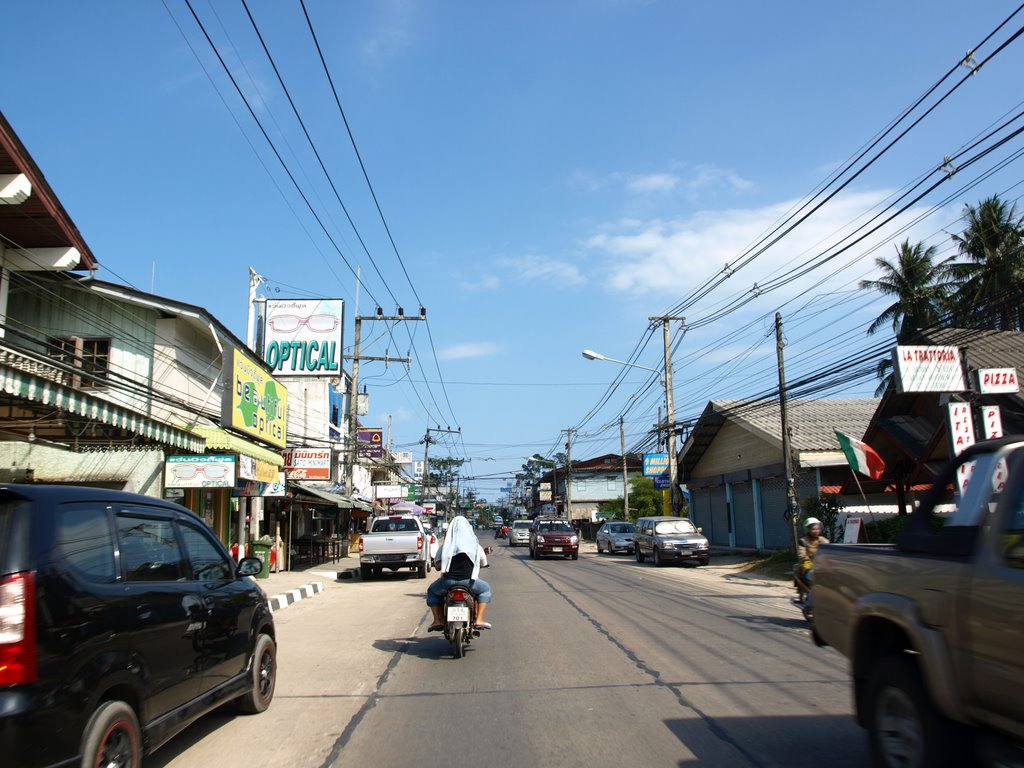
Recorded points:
(812,422)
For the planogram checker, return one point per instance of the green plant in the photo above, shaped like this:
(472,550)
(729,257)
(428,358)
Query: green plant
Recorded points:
(828,508)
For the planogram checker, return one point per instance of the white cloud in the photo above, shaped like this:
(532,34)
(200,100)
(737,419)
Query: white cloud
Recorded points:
(468,350)
(394,33)
(707,176)
(672,257)
(652,182)
(541,268)
(478,283)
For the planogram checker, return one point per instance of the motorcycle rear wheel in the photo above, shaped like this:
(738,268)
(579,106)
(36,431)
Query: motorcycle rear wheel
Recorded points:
(457,642)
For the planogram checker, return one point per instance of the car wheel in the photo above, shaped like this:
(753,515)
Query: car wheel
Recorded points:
(904,727)
(599,548)
(705,560)
(112,737)
(640,557)
(658,562)
(264,677)
(421,570)
(365,572)
(575,555)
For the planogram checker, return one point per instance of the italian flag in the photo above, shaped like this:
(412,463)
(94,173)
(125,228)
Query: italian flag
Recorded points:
(862,457)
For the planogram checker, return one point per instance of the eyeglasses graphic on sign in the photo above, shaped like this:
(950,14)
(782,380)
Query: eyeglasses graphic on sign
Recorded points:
(209,471)
(292,323)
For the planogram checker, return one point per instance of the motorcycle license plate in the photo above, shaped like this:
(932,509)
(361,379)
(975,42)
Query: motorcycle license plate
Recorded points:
(458,613)
(556,549)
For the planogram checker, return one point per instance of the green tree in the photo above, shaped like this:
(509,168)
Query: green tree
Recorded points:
(644,500)
(919,288)
(988,284)
(827,507)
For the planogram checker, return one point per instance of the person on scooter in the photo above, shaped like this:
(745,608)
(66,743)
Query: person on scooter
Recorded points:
(807,550)
(459,559)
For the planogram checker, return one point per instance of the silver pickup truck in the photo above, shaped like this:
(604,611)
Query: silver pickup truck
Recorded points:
(933,626)
(396,541)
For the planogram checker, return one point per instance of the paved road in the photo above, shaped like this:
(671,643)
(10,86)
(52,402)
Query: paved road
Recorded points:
(596,662)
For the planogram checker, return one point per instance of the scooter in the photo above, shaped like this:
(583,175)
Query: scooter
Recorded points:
(501,532)
(460,618)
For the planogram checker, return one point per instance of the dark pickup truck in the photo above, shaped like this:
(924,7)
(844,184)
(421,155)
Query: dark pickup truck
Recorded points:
(933,626)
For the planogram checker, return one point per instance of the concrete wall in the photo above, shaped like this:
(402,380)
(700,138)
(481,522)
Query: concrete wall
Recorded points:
(136,471)
(735,448)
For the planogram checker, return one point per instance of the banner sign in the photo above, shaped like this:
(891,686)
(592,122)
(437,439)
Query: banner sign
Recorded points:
(275,489)
(303,337)
(545,495)
(403,457)
(199,472)
(655,464)
(371,442)
(928,369)
(993,381)
(961,431)
(307,463)
(661,482)
(254,403)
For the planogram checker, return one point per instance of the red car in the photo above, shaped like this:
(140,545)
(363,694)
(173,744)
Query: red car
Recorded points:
(553,537)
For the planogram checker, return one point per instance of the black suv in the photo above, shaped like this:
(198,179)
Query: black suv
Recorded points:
(122,620)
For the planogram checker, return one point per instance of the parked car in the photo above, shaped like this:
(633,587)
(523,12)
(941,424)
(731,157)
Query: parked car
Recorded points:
(519,533)
(670,540)
(615,536)
(122,620)
(551,536)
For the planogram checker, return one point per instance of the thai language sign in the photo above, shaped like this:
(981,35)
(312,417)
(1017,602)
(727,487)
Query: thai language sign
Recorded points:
(254,402)
(371,442)
(303,337)
(307,463)
(199,472)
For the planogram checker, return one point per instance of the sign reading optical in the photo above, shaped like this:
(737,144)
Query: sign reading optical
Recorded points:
(199,472)
(254,403)
(303,337)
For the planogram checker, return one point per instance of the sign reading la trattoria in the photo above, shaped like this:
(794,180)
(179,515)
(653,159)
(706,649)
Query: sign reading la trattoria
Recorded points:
(928,369)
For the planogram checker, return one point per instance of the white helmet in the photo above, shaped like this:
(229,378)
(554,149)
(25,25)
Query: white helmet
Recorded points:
(810,521)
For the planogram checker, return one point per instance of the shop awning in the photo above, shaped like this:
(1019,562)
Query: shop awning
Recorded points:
(221,439)
(339,500)
(20,383)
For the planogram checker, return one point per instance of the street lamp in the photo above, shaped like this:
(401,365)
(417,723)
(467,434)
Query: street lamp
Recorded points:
(590,354)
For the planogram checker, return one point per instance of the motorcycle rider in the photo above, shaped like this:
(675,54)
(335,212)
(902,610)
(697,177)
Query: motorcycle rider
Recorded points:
(806,551)
(459,559)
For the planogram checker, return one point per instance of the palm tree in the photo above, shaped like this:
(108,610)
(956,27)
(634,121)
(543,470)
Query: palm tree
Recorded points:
(990,283)
(918,285)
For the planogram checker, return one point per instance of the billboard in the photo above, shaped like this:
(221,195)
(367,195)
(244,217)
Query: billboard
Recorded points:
(307,463)
(254,402)
(303,337)
(199,472)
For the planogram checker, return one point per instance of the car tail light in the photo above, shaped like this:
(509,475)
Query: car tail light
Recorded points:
(419,541)
(17,629)
(433,539)
(361,544)
(458,594)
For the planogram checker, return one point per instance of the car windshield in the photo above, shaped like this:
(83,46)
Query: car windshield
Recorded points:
(675,526)
(619,528)
(521,524)
(555,527)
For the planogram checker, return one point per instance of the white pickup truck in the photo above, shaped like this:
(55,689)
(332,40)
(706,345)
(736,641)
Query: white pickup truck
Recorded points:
(396,541)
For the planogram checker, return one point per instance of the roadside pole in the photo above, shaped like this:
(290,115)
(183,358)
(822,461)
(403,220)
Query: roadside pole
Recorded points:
(792,504)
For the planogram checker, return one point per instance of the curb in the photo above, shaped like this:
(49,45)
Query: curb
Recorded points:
(282,601)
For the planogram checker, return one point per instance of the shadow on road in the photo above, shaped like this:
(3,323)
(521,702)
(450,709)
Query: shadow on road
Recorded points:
(432,646)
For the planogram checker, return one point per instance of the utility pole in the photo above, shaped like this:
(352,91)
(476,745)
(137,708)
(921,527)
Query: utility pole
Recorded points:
(670,413)
(427,440)
(792,505)
(625,471)
(353,409)
(568,474)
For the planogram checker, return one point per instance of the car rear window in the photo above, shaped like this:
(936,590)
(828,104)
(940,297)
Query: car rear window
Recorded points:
(556,527)
(8,512)
(84,542)
(395,526)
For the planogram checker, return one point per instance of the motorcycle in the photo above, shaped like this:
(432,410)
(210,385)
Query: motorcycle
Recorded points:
(460,618)
(501,532)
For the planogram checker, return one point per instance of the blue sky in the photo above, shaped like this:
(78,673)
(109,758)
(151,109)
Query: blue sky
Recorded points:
(553,174)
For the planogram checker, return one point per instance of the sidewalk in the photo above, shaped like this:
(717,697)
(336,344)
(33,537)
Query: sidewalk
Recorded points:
(305,581)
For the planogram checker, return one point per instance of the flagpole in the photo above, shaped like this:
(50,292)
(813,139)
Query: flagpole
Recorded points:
(866,504)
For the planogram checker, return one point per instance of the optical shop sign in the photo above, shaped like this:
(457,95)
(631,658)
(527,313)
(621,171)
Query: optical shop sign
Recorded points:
(254,403)
(199,472)
(303,337)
